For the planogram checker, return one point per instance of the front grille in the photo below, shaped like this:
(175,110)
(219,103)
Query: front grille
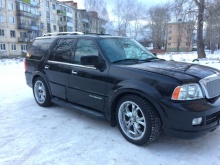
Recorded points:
(212,118)
(211,86)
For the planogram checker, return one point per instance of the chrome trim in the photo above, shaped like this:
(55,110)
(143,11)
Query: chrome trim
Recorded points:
(215,90)
(76,65)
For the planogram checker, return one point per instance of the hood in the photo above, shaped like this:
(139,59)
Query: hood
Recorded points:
(178,70)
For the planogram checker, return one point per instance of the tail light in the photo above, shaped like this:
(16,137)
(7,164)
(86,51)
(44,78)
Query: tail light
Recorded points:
(25,65)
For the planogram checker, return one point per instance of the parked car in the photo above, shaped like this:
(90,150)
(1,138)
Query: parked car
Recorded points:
(118,79)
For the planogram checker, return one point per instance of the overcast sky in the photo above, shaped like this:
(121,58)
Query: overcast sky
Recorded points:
(111,3)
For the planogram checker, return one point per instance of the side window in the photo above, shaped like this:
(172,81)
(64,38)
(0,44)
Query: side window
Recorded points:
(63,51)
(84,47)
(39,48)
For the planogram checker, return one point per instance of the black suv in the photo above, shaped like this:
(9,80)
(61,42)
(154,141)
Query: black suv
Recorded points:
(118,79)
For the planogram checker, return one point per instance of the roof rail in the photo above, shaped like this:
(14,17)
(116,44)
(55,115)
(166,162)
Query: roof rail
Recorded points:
(63,33)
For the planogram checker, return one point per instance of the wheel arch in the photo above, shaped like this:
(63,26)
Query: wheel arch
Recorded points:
(140,92)
(39,74)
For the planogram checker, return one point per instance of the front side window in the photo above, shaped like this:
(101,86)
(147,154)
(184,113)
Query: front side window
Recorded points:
(118,49)
(64,51)
(2,47)
(84,47)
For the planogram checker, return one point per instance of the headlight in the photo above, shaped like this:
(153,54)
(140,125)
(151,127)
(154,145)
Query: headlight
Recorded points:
(187,92)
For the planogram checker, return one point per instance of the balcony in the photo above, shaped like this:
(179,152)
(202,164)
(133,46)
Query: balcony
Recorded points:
(27,27)
(60,12)
(24,39)
(26,14)
(62,23)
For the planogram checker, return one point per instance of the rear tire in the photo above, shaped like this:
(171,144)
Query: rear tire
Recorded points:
(41,93)
(137,120)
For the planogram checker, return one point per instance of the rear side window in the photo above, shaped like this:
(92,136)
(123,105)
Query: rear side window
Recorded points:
(64,51)
(39,48)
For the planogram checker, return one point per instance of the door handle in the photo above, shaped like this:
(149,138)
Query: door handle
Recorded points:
(74,72)
(46,67)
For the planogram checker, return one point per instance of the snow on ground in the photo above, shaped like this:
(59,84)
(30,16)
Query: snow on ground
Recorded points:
(30,134)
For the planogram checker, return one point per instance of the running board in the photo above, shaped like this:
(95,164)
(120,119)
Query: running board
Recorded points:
(78,108)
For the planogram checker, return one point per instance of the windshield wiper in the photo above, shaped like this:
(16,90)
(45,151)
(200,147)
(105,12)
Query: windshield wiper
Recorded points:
(152,59)
(126,59)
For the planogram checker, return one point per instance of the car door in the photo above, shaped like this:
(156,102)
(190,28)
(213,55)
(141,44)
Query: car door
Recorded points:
(57,67)
(87,84)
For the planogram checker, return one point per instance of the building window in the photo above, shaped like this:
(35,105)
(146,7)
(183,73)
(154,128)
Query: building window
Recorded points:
(1,18)
(53,6)
(13,46)
(48,17)
(12,20)
(170,38)
(41,13)
(54,28)
(170,32)
(23,47)
(47,5)
(48,27)
(41,25)
(169,44)
(170,26)
(1,3)
(10,6)
(2,32)
(187,44)
(2,47)
(23,34)
(12,34)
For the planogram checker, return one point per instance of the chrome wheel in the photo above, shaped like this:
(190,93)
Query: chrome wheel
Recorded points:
(40,92)
(132,120)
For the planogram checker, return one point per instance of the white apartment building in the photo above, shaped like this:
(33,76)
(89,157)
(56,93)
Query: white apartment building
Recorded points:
(21,21)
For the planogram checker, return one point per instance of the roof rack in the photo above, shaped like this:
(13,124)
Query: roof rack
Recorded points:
(63,33)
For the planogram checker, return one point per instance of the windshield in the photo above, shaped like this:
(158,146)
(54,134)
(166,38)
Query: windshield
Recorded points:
(124,49)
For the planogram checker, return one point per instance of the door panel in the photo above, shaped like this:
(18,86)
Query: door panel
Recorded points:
(87,87)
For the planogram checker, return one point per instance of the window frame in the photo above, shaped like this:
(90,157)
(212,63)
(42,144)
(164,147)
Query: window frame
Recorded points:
(12,20)
(10,6)
(13,47)
(2,44)
(11,32)
(2,17)
(2,31)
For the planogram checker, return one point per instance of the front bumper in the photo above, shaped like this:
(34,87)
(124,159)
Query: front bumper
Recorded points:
(179,116)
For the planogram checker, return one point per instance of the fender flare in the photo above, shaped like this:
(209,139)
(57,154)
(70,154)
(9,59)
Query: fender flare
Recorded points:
(137,88)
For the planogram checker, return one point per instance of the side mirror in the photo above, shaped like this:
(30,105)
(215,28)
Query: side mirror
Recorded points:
(89,60)
(92,61)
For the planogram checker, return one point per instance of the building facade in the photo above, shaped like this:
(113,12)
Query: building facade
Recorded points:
(21,21)
(179,36)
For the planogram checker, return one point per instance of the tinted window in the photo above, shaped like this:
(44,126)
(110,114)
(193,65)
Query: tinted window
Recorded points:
(39,48)
(85,47)
(63,51)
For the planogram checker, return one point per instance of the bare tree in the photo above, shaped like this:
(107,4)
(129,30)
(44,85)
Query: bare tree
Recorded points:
(99,6)
(200,24)
(213,25)
(128,16)
(158,17)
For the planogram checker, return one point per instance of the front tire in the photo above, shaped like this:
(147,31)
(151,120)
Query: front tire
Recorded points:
(41,93)
(137,120)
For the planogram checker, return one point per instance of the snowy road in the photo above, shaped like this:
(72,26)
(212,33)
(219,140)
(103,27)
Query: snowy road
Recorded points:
(30,134)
